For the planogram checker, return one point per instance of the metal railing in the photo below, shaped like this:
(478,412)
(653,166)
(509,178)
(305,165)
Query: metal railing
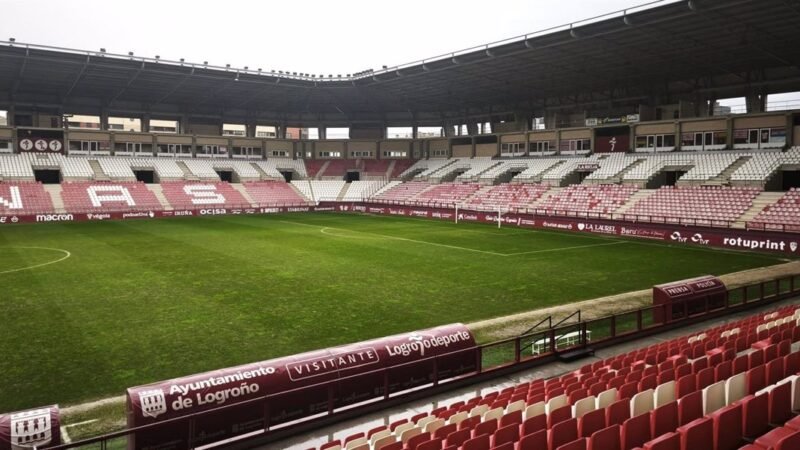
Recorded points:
(488,358)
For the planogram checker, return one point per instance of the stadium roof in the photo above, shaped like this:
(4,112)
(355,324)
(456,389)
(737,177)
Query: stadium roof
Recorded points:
(694,49)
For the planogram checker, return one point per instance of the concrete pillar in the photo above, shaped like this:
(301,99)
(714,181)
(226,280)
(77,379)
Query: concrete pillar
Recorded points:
(250,129)
(322,132)
(104,119)
(12,111)
(472,128)
(551,120)
(183,125)
(145,120)
(756,103)
(415,132)
(280,131)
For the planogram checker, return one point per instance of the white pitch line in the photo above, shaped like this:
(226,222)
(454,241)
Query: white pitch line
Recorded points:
(566,248)
(436,244)
(322,230)
(65,252)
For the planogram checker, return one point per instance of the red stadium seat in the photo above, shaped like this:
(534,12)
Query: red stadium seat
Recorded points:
(606,439)
(591,422)
(697,434)
(563,433)
(635,431)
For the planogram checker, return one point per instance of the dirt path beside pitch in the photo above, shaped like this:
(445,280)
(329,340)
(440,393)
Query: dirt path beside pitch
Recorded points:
(516,324)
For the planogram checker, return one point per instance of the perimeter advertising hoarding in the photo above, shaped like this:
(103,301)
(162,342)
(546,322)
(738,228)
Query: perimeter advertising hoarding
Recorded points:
(406,358)
(23,430)
(730,238)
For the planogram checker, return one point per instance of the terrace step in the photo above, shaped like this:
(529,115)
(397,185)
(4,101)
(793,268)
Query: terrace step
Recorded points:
(54,190)
(390,169)
(639,195)
(763,200)
(343,192)
(187,174)
(99,175)
(725,176)
(158,191)
(261,172)
(321,170)
(618,177)
(240,187)
(545,194)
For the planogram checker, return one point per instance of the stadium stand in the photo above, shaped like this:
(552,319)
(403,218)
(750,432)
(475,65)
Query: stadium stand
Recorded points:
(401,192)
(361,190)
(707,205)
(400,166)
(537,168)
(782,215)
(200,168)
(374,167)
(202,195)
(274,193)
(712,390)
(447,194)
(24,198)
(513,165)
(515,196)
(583,199)
(15,167)
(273,167)
(83,196)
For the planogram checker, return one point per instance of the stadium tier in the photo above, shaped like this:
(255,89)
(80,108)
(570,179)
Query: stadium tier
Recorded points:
(24,198)
(705,205)
(713,390)
(203,195)
(274,193)
(601,199)
(80,197)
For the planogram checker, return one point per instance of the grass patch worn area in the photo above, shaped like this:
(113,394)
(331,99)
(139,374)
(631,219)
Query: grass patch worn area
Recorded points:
(142,301)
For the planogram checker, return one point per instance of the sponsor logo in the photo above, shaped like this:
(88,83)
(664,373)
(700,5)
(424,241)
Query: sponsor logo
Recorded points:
(104,216)
(602,229)
(249,211)
(183,213)
(419,213)
(643,233)
(397,212)
(792,245)
(15,219)
(269,210)
(527,222)
(558,226)
(462,216)
(31,429)
(153,402)
(213,212)
(54,217)
(321,366)
(360,208)
(138,215)
(343,207)
(236,212)
(3,219)
(325,208)
(418,344)
(298,209)
(696,238)
(756,244)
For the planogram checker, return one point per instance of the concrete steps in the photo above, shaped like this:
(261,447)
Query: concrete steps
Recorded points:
(157,190)
(552,191)
(239,187)
(187,174)
(390,169)
(342,192)
(99,175)
(54,190)
(322,169)
(639,195)
(759,203)
(260,171)
(725,176)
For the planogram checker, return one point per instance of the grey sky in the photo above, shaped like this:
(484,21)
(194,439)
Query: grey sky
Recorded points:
(312,36)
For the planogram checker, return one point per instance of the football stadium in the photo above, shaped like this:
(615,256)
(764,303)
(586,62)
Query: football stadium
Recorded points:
(585,237)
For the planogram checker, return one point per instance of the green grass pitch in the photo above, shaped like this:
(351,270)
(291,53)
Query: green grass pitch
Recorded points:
(141,301)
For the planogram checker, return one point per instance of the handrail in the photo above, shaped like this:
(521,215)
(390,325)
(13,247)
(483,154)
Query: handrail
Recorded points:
(578,312)
(546,319)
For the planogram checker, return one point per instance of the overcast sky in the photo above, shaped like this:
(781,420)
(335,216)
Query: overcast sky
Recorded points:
(309,36)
